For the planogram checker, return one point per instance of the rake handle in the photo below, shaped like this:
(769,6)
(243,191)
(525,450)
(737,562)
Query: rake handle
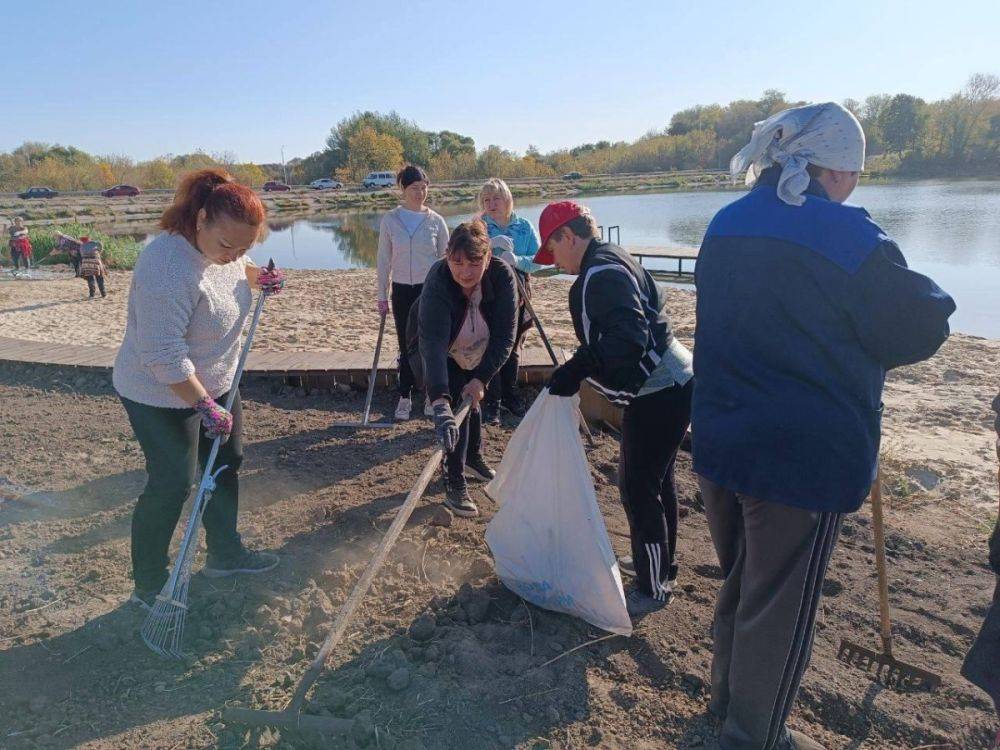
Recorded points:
(364,583)
(878,527)
(374,373)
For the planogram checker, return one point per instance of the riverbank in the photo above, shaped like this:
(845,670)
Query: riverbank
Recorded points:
(476,676)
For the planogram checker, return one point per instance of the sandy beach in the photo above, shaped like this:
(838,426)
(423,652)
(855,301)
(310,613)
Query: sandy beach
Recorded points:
(323,498)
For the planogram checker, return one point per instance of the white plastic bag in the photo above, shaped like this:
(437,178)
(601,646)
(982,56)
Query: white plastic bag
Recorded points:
(548,539)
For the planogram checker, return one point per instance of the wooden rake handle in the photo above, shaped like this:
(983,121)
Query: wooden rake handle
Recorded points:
(878,527)
(364,583)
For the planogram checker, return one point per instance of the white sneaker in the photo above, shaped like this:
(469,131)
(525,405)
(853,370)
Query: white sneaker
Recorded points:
(403,409)
(428,408)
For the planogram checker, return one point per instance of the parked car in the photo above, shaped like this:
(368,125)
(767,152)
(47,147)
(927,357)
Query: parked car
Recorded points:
(114,192)
(325,183)
(38,192)
(572,176)
(379,179)
(273,186)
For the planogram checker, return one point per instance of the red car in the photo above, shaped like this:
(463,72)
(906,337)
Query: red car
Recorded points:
(273,186)
(113,192)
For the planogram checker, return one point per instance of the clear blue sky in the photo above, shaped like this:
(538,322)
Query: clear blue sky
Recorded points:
(145,79)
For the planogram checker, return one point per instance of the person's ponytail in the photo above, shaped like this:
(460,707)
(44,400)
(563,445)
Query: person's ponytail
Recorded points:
(215,191)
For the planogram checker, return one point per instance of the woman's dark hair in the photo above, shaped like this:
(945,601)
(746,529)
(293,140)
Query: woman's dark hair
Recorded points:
(469,239)
(215,191)
(410,174)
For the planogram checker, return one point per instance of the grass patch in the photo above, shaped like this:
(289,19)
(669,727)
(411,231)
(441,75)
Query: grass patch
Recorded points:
(119,252)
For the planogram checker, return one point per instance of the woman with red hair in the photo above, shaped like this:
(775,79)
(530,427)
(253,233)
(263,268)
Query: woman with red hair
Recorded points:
(188,302)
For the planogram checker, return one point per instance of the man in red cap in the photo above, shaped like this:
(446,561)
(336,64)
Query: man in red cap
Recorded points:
(628,353)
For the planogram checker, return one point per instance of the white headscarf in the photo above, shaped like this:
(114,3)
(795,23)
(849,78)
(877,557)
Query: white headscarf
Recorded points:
(826,135)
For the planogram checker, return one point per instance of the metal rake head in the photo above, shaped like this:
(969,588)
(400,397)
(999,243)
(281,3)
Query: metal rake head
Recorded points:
(888,670)
(163,630)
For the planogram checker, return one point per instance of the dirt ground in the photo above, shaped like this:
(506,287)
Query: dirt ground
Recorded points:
(440,655)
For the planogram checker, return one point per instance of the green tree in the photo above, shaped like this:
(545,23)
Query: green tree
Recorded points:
(902,121)
(371,151)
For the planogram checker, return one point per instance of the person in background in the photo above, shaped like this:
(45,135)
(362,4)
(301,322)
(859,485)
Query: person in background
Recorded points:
(188,302)
(460,333)
(91,265)
(630,356)
(411,239)
(803,305)
(497,206)
(20,244)
(982,663)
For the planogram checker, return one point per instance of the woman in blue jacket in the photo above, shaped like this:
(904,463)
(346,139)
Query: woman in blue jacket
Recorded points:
(803,305)
(497,206)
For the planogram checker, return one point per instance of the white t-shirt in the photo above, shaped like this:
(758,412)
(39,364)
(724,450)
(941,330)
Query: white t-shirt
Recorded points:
(473,337)
(411,219)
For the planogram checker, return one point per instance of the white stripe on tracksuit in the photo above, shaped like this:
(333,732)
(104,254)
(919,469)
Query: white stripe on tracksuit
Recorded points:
(661,592)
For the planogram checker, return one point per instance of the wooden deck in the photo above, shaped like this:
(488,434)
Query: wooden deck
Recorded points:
(315,367)
(680,254)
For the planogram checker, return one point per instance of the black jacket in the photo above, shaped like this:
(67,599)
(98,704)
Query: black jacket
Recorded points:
(437,316)
(619,315)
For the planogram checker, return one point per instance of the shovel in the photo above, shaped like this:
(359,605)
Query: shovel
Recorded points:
(371,387)
(291,717)
(889,670)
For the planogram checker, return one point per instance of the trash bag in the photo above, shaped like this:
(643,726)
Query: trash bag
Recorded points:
(548,539)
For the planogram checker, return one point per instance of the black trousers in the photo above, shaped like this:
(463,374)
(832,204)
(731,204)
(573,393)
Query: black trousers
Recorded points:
(470,433)
(20,259)
(96,281)
(402,299)
(652,429)
(175,446)
(503,387)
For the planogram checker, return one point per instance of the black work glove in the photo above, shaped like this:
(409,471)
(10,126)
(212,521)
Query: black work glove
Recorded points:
(445,426)
(565,379)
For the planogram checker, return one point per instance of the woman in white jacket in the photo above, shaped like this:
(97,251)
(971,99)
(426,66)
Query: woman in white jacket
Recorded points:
(411,239)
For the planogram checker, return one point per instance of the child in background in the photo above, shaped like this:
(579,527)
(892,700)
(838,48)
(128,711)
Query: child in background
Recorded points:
(92,265)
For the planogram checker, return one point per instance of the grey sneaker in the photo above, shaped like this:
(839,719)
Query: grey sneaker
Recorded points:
(799,741)
(246,561)
(145,600)
(627,567)
(639,604)
(456,497)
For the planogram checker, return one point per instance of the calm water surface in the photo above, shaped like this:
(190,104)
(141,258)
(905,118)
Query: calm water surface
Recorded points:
(948,230)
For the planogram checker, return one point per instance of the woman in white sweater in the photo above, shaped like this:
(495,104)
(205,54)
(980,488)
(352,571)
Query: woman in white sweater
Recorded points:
(188,302)
(411,239)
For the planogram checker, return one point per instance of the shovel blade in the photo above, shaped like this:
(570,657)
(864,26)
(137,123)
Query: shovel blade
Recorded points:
(888,670)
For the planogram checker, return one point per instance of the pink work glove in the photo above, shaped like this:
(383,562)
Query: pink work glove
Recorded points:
(271,280)
(383,307)
(217,421)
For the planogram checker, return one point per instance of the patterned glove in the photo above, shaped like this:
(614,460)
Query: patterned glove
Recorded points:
(445,426)
(383,307)
(271,280)
(217,421)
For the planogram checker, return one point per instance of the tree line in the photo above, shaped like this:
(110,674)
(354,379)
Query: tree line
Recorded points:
(957,136)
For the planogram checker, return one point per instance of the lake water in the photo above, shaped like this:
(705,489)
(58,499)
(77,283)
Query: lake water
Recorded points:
(948,230)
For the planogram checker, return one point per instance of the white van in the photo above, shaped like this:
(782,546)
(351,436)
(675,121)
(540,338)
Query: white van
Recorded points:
(379,179)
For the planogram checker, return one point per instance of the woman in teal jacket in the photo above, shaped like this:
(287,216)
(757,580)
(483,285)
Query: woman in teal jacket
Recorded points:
(497,206)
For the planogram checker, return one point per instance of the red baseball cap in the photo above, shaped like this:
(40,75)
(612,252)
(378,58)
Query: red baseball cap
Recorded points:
(554,216)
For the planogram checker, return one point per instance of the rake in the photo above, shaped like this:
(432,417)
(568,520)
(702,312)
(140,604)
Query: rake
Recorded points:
(552,352)
(889,670)
(372,376)
(163,630)
(291,717)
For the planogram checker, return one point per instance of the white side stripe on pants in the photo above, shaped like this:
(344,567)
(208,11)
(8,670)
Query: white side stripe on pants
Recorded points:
(654,553)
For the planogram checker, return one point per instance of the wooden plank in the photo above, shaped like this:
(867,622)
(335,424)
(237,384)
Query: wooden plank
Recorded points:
(685,253)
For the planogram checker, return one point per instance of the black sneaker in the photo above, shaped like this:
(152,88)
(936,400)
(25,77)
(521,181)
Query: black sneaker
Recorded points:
(246,561)
(476,468)
(515,405)
(145,600)
(491,413)
(456,497)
